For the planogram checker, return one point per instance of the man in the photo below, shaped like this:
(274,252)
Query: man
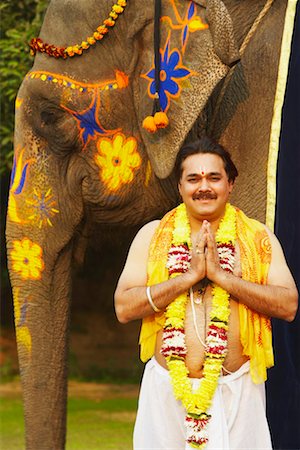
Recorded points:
(205,280)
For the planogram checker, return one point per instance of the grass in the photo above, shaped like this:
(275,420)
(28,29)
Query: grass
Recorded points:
(11,424)
(92,424)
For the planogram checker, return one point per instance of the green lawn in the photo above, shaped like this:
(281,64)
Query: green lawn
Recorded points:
(92,424)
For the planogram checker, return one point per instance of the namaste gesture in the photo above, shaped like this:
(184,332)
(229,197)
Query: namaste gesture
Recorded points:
(205,260)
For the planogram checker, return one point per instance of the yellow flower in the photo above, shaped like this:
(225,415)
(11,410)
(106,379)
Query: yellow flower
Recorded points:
(117,158)
(118,9)
(27,259)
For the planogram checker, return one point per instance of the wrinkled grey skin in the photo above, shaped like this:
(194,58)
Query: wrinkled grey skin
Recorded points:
(45,127)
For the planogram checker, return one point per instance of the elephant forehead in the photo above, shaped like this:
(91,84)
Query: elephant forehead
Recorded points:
(164,145)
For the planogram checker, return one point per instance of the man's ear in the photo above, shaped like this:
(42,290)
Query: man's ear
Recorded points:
(231,185)
(179,188)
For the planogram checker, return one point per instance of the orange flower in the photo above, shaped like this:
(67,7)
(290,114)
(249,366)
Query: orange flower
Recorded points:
(27,259)
(149,124)
(161,119)
(117,158)
(109,22)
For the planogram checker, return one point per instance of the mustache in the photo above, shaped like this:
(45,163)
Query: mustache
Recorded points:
(205,196)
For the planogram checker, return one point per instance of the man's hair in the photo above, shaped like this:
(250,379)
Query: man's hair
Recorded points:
(205,145)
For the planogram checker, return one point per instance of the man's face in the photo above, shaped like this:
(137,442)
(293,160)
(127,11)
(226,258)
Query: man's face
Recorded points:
(204,186)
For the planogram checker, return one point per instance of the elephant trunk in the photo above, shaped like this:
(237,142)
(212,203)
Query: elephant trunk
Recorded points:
(42,323)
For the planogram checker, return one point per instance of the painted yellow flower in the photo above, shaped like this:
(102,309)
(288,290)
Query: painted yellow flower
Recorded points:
(117,158)
(27,259)
(22,330)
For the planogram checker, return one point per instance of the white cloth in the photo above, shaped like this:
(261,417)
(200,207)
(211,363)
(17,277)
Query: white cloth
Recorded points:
(238,419)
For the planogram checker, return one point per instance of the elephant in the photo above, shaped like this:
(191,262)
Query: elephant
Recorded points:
(82,155)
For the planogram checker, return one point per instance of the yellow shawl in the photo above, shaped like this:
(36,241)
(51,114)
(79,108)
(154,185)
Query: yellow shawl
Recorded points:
(255,329)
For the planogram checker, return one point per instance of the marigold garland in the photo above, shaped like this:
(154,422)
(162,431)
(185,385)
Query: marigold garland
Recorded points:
(37,44)
(174,348)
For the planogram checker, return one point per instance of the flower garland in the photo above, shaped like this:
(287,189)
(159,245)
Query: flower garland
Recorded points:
(174,347)
(37,44)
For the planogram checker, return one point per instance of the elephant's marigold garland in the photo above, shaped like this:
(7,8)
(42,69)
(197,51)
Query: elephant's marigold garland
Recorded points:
(174,348)
(37,44)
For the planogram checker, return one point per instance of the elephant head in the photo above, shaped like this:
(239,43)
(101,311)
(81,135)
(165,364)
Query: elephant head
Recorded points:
(82,155)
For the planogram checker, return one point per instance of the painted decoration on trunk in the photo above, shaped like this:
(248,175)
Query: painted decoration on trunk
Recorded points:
(119,82)
(37,205)
(27,259)
(172,73)
(88,122)
(117,159)
(189,24)
(19,176)
(18,103)
(43,207)
(22,330)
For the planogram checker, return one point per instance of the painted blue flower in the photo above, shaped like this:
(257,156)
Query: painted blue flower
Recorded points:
(171,73)
(88,122)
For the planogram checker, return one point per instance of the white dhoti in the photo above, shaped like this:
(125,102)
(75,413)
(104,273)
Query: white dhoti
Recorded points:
(238,419)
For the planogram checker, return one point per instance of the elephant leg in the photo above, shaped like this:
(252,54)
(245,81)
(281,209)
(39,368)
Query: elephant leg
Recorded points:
(41,226)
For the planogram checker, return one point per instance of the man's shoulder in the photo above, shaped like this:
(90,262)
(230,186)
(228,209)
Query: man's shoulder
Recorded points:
(147,231)
(157,226)
(150,227)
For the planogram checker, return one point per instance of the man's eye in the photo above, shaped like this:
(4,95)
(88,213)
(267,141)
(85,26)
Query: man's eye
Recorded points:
(192,180)
(215,178)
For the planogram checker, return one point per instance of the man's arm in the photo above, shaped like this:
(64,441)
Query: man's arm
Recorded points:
(279,298)
(131,300)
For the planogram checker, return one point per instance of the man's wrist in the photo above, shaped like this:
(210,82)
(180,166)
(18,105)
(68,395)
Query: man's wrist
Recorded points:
(191,278)
(222,278)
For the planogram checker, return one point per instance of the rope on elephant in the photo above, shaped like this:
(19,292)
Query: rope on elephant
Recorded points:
(255,24)
(242,49)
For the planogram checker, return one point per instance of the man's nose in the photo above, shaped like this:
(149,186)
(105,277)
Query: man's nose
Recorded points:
(204,185)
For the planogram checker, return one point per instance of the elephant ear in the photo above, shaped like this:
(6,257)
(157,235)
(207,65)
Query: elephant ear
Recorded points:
(222,32)
(191,70)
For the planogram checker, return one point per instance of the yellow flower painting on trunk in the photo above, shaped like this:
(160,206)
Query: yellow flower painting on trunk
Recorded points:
(27,259)
(117,159)
(22,330)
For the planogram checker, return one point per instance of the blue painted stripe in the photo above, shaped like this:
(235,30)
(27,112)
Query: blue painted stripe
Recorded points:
(22,182)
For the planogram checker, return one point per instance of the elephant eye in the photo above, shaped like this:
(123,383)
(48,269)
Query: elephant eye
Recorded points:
(49,117)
